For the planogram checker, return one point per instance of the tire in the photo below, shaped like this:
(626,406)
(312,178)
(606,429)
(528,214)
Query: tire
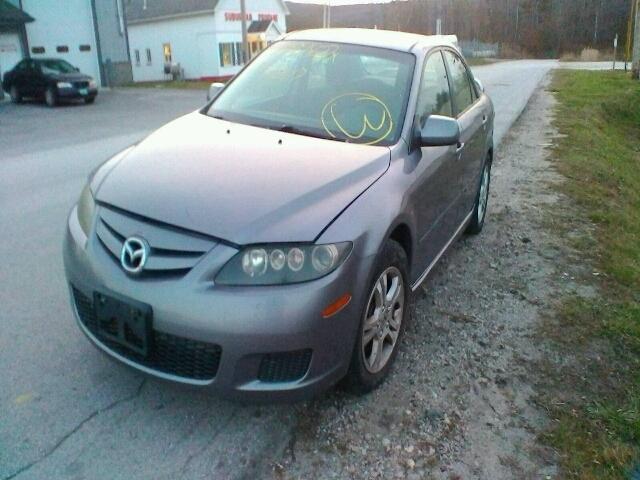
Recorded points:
(15,94)
(50,97)
(364,373)
(482,200)
(89,100)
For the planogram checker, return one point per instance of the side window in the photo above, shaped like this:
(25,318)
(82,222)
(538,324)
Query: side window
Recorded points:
(434,97)
(463,95)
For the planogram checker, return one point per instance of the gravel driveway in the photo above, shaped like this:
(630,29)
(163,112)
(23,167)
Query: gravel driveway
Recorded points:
(461,400)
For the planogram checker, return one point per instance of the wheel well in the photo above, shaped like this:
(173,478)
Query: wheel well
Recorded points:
(402,235)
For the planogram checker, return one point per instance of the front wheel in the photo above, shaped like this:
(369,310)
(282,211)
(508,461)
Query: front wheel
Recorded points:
(382,322)
(89,100)
(482,199)
(50,97)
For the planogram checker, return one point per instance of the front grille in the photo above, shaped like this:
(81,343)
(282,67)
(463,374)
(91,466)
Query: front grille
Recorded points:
(173,251)
(83,84)
(285,366)
(169,354)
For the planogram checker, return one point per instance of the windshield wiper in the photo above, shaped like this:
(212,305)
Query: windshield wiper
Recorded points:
(301,131)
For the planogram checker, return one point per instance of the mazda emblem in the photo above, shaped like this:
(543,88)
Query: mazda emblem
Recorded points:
(134,254)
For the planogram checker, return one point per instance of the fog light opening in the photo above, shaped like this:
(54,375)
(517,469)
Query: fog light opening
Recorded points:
(336,306)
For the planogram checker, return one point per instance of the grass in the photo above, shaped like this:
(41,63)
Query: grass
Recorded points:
(175,84)
(596,427)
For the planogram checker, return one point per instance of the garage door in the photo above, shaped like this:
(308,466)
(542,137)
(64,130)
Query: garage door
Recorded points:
(10,51)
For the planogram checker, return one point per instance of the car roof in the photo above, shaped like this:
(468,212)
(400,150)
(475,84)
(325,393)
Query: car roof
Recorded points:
(48,59)
(401,41)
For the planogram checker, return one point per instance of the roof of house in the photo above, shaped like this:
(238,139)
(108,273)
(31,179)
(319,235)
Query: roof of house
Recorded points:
(162,9)
(374,38)
(11,16)
(159,9)
(259,26)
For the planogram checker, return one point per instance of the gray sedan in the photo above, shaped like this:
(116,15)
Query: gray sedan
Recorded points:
(266,245)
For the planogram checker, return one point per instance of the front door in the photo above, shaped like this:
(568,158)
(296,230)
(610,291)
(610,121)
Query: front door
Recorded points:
(435,193)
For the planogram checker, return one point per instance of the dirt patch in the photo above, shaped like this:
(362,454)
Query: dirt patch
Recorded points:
(461,401)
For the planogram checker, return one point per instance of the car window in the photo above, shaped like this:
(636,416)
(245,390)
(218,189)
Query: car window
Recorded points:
(460,82)
(434,96)
(341,92)
(22,66)
(56,66)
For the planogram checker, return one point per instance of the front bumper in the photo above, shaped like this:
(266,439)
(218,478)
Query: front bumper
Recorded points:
(254,327)
(76,93)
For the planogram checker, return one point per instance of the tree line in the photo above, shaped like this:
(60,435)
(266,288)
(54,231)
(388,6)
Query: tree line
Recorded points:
(545,28)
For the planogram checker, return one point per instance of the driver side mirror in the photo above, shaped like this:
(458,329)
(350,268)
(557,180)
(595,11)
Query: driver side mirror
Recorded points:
(439,131)
(214,90)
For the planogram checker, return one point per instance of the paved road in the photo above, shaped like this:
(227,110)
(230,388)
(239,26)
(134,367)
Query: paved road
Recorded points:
(66,411)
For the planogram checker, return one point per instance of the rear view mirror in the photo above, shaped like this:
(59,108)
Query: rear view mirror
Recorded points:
(214,90)
(439,131)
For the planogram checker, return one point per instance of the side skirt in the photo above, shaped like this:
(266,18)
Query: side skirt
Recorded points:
(457,233)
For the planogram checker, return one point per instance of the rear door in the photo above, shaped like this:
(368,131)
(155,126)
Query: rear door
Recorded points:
(435,195)
(472,119)
(17,76)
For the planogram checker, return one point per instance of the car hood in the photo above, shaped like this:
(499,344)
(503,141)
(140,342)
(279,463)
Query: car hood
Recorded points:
(241,183)
(70,77)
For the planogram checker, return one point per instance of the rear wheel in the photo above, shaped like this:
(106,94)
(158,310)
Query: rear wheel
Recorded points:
(482,200)
(15,94)
(382,322)
(50,97)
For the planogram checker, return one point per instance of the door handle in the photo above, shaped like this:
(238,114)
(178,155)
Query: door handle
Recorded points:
(460,148)
(484,119)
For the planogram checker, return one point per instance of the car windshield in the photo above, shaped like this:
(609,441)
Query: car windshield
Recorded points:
(349,93)
(56,66)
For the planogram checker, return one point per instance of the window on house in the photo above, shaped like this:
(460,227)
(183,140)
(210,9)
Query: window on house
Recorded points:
(230,54)
(166,49)
(148,56)
(239,54)
(62,49)
(85,48)
(136,55)
(37,50)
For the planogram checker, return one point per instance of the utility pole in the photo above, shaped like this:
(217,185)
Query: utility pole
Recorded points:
(326,15)
(245,42)
(636,44)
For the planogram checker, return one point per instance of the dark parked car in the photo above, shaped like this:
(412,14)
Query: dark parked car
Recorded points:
(267,244)
(49,78)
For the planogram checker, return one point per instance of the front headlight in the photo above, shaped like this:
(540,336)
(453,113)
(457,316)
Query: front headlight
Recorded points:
(282,264)
(86,209)
(64,85)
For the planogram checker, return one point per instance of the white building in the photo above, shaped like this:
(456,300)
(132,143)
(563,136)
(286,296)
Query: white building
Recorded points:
(203,37)
(89,34)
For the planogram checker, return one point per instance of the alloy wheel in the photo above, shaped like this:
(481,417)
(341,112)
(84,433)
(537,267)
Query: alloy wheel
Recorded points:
(483,198)
(15,96)
(50,98)
(383,319)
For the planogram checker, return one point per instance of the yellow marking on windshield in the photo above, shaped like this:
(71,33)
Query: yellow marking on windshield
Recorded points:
(333,124)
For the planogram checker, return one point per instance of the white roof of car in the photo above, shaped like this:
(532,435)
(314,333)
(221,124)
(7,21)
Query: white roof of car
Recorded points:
(374,38)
